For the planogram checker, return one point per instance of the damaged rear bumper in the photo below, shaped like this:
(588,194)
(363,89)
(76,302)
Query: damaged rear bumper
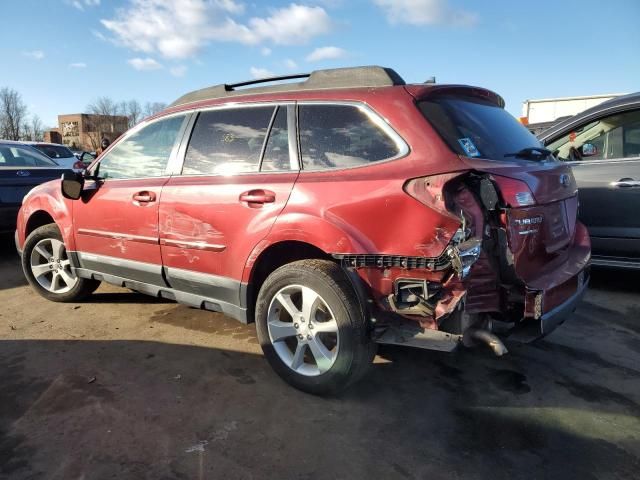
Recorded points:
(552,319)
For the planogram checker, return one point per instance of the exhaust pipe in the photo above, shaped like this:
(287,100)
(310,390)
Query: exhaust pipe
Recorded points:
(486,337)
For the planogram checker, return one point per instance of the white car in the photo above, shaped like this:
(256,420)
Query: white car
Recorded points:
(60,154)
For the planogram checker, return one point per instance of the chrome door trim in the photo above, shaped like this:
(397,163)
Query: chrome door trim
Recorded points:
(117,236)
(169,242)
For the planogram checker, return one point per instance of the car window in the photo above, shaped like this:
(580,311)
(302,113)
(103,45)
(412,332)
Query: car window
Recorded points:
(227,141)
(474,127)
(276,154)
(143,154)
(55,151)
(613,136)
(341,136)
(23,157)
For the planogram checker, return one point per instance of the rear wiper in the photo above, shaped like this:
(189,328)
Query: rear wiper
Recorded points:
(531,153)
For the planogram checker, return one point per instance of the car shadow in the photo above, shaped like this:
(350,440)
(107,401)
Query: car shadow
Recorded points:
(144,409)
(10,264)
(124,297)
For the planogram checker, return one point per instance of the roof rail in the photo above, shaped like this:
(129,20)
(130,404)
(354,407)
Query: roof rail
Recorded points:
(351,77)
(232,86)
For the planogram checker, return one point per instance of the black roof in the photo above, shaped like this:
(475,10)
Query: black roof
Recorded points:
(622,102)
(352,77)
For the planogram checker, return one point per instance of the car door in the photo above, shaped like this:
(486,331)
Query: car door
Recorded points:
(116,219)
(239,169)
(604,154)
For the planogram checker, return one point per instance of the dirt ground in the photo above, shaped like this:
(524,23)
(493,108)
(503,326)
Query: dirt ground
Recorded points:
(127,386)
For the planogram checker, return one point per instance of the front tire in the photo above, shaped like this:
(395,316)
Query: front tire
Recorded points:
(47,267)
(312,327)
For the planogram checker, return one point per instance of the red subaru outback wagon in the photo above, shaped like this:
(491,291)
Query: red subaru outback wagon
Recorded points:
(338,212)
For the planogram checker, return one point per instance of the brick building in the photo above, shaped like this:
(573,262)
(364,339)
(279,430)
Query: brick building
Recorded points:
(52,136)
(85,131)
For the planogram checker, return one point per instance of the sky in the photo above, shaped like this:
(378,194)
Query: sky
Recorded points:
(63,54)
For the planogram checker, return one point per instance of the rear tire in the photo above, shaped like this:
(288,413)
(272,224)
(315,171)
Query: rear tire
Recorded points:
(47,267)
(312,327)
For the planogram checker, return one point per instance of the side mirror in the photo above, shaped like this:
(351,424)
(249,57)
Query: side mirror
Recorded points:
(589,150)
(72,185)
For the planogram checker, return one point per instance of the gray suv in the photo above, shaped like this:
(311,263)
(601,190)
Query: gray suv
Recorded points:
(602,145)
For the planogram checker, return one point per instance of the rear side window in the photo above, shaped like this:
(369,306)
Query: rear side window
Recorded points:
(23,157)
(143,154)
(227,141)
(475,128)
(55,151)
(341,136)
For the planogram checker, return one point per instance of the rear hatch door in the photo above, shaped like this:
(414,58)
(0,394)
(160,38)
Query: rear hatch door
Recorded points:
(540,192)
(539,234)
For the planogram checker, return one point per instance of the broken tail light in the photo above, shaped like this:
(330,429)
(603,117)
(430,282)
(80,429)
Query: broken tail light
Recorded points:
(515,193)
(430,190)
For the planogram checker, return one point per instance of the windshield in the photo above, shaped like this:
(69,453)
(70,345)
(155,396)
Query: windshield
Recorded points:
(475,128)
(18,156)
(55,151)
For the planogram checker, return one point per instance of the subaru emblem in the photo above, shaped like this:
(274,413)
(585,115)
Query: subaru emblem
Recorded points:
(565,180)
(23,173)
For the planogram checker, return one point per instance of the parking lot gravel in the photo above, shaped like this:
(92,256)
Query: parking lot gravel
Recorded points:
(127,386)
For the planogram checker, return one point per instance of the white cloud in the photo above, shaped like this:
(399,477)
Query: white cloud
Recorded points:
(178,71)
(99,35)
(144,63)
(425,12)
(80,4)
(257,72)
(78,65)
(290,26)
(180,28)
(266,51)
(326,53)
(290,64)
(35,54)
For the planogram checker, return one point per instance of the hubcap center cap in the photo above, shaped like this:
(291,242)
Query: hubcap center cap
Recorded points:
(303,328)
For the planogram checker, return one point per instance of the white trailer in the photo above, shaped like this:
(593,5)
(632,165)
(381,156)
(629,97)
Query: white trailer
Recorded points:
(541,114)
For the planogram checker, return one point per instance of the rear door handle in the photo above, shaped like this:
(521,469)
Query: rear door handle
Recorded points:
(258,197)
(144,197)
(626,183)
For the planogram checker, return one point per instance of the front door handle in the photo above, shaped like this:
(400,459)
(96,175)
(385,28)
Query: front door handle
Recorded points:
(144,197)
(626,183)
(257,198)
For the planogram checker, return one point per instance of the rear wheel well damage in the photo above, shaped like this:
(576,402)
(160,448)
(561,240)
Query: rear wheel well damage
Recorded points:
(458,295)
(272,258)
(36,220)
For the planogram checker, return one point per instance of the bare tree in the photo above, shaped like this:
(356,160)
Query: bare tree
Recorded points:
(25,132)
(101,122)
(134,112)
(151,108)
(12,114)
(37,130)
(103,106)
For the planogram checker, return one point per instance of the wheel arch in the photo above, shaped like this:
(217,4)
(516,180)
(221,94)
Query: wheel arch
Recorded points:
(37,219)
(45,206)
(269,258)
(281,253)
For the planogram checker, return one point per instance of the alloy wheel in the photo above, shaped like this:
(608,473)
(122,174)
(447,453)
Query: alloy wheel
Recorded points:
(303,330)
(51,266)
